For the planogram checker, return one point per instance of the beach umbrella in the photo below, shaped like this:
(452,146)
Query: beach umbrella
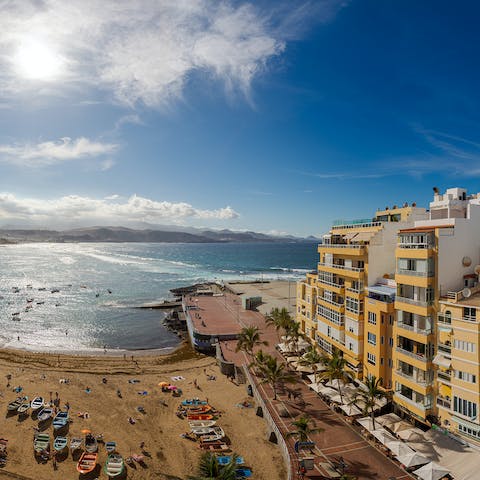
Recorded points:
(399,426)
(366,422)
(411,435)
(399,448)
(351,410)
(382,436)
(412,459)
(431,471)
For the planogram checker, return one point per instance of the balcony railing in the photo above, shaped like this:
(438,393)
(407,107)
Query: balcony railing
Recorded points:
(415,245)
(444,348)
(341,267)
(354,290)
(443,402)
(411,301)
(413,328)
(447,319)
(411,377)
(330,301)
(415,273)
(341,245)
(416,356)
(444,376)
(364,222)
(330,284)
(420,406)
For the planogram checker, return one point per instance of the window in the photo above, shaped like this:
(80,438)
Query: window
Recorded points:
(372,318)
(350,346)
(463,345)
(390,319)
(464,407)
(372,338)
(390,363)
(381,360)
(469,431)
(353,305)
(390,341)
(381,340)
(371,358)
(465,376)
(470,313)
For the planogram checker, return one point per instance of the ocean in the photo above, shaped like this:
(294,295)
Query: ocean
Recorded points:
(80,297)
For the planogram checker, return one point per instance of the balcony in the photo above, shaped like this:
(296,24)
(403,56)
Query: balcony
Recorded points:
(330,284)
(412,378)
(411,301)
(445,376)
(421,358)
(360,223)
(443,402)
(415,404)
(341,267)
(415,273)
(414,328)
(445,349)
(330,301)
(358,291)
(340,245)
(422,246)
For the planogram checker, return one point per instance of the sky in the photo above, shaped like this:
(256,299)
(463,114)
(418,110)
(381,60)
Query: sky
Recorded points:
(276,116)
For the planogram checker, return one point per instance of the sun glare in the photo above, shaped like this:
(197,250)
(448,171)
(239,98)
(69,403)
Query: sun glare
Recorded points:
(37,61)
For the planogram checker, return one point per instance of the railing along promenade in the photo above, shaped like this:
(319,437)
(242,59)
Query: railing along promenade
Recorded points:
(288,454)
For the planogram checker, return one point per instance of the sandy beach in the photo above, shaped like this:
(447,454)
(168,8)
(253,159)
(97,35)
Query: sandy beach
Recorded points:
(170,456)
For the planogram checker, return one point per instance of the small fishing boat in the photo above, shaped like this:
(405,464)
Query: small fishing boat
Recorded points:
(75,443)
(41,442)
(13,406)
(215,447)
(110,447)
(60,420)
(201,423)
(214,437)
(36,403)
(60,443)
(199,416)
(44,414)
(114,466)
(15,314)
(199,409)
(87,462)
(207,431)
(226,459)
(91,444)
(193,401)
(40,303)
(23,408)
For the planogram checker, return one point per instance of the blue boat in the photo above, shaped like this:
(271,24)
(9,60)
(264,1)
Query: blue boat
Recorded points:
(243,473)
(60,420)
(194,401)
(60,443)
(226,459)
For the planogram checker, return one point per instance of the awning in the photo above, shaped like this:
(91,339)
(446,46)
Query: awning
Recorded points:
(442,361)
(411,435)
(387,419)
(364,236)
(366,422)
(316,387)
(350,236)
(399,426)
(431,471)
(383,436)
(412,459)
(327,391)
(382,290)
(351,410)
(400,448)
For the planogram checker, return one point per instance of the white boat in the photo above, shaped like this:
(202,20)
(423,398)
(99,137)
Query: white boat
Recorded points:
(44,414)
(114,466)
(36,403)
(208,431)
(75,443)
(202,423)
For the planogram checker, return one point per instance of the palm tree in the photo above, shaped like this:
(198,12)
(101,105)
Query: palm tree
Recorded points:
(280,319)
(210,469)
(259,360)
(294,334)
(369,396)
(335,370)
(274,373)
(311,359)
(248,339)
(303,429)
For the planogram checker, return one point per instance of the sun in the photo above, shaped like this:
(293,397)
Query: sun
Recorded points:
(37,61)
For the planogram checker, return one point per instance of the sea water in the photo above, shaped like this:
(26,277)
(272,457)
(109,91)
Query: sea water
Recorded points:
(68,285)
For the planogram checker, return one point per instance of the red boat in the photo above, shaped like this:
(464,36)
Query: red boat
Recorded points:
(200,416)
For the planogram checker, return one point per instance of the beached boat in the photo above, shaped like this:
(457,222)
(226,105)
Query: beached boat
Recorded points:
(215,447)
(213,437)
(36,403)
(41,442)
(23,408)
(202,431)
(199,409)
(87,462)
(201,423)
(91,444)
(110,447)
(60,443)
(60,420)
(75,443)
(13,406)
(199,416)
(44,414)
(193,401)
(226,459)
(114,466)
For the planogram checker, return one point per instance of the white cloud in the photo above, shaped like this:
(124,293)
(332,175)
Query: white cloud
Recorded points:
(146,51)
(53,152)
(111,209)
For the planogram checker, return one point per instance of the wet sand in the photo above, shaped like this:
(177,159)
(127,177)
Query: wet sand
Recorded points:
(171,457)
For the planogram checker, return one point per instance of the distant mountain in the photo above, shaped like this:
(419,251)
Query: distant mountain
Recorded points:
(123,234)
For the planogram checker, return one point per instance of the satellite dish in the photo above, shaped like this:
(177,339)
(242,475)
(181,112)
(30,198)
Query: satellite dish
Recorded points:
(466,292)
(477,270)
(466,261)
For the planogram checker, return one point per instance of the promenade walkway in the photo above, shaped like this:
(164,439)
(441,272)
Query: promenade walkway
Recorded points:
(337,441)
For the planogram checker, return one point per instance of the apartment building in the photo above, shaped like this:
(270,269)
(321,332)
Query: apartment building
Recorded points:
(389,297)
